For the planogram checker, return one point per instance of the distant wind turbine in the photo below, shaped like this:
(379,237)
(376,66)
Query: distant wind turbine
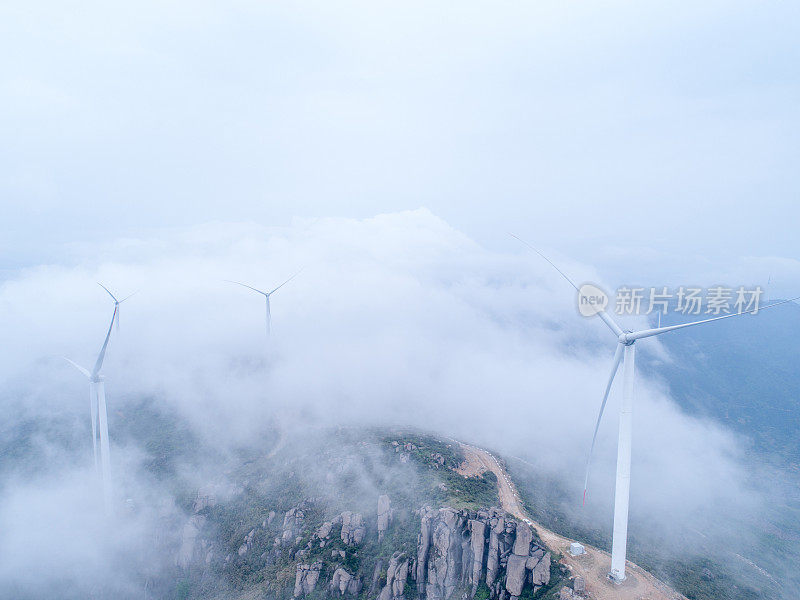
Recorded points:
(97,402)
(266,296)
(116,302)
(625,354)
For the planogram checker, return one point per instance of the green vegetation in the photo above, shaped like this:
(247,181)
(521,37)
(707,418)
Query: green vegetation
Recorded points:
(428,450)
(483,592)
(445,485)
(559,575)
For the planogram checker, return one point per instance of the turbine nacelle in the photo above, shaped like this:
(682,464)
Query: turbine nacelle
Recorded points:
(116,302)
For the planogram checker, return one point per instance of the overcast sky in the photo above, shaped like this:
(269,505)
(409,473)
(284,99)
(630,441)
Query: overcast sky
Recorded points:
(655,142)
(165,146)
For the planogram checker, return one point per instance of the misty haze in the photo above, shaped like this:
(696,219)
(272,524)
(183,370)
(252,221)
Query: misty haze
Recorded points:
(468,301)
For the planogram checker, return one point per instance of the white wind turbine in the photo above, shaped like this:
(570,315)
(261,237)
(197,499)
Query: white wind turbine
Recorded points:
(97,402)
(116,302)
(266,296)
(625,354)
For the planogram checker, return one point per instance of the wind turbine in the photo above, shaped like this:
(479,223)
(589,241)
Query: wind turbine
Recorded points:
(97,402)
(625,354)
(266,296)
(116,302)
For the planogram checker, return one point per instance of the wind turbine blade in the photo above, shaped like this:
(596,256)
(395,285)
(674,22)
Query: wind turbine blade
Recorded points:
(128,296)
(552,264)
(285,282)
(77,366)
(247,286)
(614,369)
(99,364)
(109,293)
(645,333)
(612,325)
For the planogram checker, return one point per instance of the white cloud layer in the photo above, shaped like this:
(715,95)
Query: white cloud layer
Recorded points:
(395,320)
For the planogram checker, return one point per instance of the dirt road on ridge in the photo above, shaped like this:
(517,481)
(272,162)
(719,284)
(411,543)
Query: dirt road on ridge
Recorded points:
(592,566)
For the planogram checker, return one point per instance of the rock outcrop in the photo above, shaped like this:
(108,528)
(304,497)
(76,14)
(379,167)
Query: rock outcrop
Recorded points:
(451,547)
(353,528)
(376,574)
(344,583)
(539,565)
(444,558)
(516,574)
(384,515)
(190,544)
(522,540)
(324,531)
(457,551)
(292,524)
(423,546)
(306,578)
(396,577)
(248,541)
(477,542)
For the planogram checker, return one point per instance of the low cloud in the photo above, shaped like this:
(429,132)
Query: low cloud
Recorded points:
(397,320)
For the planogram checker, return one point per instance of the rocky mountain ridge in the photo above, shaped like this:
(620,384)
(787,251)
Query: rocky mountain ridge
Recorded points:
(456,553)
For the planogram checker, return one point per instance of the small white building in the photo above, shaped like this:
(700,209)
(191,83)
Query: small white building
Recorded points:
(576,549)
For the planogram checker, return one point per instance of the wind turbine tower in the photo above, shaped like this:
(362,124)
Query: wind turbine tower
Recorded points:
(626,354)
(99,414)
(267,296)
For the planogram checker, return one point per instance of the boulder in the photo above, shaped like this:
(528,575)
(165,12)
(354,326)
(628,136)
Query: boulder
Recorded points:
(248,541)
(477,542)
(523,539)
(343,583)
(444,562)
(324,530)
(515,574)
(540,567)
(423,547)
(292,524)
(497,527)
(384,515)
(306,578)
(353,528)
(396,576)
(376,574)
